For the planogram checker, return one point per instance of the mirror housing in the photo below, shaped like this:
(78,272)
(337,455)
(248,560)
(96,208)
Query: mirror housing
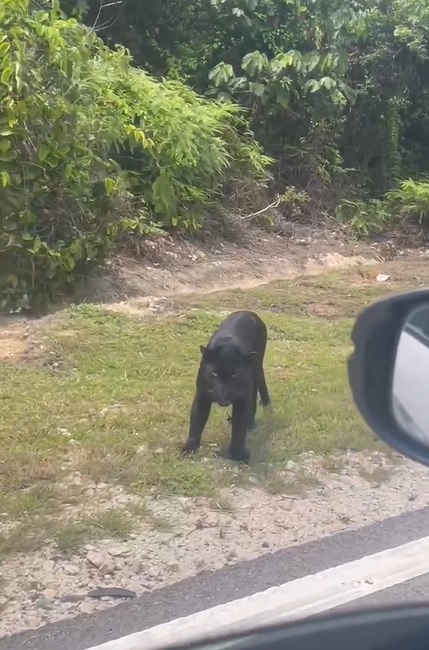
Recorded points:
(371,366)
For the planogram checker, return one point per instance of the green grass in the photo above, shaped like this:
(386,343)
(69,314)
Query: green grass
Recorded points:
(331,295)
(117,407)
(103,525)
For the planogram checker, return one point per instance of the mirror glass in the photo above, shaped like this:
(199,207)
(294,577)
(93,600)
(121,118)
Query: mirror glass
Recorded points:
(410,387)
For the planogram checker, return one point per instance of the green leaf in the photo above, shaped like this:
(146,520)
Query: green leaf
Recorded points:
(37,245)
(4,145)
(5,178)
(18,78)
(4,48)
(43,152)
(254,62)
(328,82)
(5,75)
(8,156)
(311,61)
(312,86)
(110,185)
(257,89)
(283,96)
(221,74)
(343,64)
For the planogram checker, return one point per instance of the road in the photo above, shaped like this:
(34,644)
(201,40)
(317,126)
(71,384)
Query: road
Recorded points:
(294,565)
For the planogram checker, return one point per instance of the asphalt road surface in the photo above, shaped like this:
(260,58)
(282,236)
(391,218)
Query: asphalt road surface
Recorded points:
(241,580)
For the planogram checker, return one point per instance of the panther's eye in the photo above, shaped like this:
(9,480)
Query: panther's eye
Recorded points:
(214,374)
(233,376)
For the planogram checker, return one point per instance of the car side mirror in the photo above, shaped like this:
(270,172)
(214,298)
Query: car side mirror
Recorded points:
(389,371)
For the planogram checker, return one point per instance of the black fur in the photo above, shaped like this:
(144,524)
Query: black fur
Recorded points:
(231,372)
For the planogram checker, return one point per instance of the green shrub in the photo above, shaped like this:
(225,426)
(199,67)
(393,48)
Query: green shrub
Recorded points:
(296,204)
(62,200)
(181,148)
(364,217)
(410,200)
(71,112)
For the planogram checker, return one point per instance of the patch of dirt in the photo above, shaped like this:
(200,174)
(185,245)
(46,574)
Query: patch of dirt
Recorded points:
(244,274)
(21,342)
(13,344)
(186,536)
(170,268)
(174,267)
(323,310)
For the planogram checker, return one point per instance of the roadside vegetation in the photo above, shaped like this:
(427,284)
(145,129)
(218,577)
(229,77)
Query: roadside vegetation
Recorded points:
(190,111)
(96,398)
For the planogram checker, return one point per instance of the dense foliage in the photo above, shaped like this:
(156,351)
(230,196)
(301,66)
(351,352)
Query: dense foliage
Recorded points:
(338,91)
(127,117)
(91,148)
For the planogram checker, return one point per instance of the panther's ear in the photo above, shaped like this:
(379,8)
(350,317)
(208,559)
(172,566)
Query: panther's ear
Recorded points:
(206,353)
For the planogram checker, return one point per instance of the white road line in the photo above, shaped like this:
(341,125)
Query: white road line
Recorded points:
(296,599)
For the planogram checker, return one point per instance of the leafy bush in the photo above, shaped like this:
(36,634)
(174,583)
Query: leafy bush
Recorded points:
(71,112)
(296,204)
(181,148)
(58,189)
(410,200)
(364,217)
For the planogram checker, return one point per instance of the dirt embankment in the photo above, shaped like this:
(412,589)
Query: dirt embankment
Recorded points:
(177,267)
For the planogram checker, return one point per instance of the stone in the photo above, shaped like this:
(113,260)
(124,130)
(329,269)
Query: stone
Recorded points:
(71,569)
(291,466)
(44,603)
(89,547)
(73,443)
(107,568)
(72,598)
(48,566)
(136,567)
(88,606)
(96,559)
(118,551)
(33,621)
